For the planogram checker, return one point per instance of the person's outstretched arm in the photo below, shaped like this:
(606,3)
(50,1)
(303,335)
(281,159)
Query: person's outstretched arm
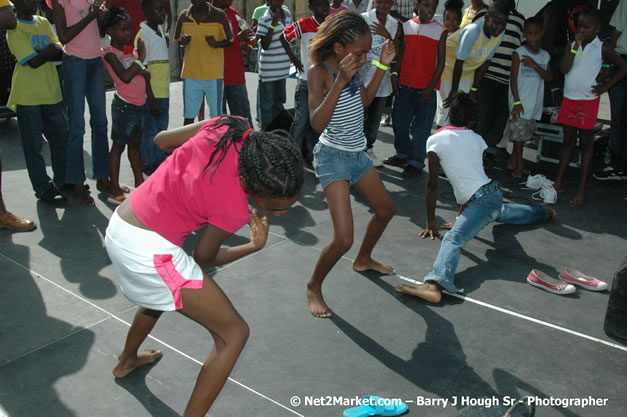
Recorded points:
(169,140)
(209,251)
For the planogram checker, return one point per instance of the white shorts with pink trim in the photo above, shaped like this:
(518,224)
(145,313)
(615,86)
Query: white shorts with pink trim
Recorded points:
(151,269)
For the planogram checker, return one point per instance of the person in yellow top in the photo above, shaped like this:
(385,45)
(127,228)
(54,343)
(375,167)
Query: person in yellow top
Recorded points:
(468,55)
(204,31)
(9,220)
(477,7)
(36,98)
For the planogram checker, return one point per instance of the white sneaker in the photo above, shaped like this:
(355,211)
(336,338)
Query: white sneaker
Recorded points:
(375,161)
(535,182)
(547,194)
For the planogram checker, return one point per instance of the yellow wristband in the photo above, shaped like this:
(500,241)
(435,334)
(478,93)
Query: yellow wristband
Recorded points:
(473,88)
(394,74)
(380,65)
(516,103)
(555,89)
(138,62)
(272,27)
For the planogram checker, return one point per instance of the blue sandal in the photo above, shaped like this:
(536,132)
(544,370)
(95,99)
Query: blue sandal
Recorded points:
(376,406)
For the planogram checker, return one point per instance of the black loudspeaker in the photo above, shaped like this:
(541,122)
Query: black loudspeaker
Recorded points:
(616,316)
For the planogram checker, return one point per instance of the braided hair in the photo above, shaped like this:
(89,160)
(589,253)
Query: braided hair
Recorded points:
(269,161)
(463,111)
(113,16)
(344,27)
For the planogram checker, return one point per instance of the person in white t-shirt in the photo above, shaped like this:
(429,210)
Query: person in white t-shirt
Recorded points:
(459,151)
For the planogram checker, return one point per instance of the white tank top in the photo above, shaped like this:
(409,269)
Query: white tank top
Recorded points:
(582,75)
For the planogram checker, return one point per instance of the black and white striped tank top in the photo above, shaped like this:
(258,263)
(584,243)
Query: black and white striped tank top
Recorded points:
(345,130)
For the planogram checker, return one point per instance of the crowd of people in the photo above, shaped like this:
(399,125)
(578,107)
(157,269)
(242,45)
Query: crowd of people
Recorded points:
(482,74)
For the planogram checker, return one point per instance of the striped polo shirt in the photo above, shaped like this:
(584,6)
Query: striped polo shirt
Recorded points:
(305,30)
(274,64)
(501,63)
(345,130)
(421,52)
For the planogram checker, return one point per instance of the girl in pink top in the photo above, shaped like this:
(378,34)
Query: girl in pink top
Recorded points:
(77,27)
(214,168)
(132,83)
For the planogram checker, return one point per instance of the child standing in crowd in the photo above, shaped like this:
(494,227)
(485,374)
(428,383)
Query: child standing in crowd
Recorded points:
(235,93)
(530,70)
(77,23)
(336,106)
(204,31)
(305,30)
(207,181)
(157,63)
(36,98)
(337,6)
(581,65)
(452,15)
(131,81)
(471,12)
(274,64)
(382,27)
(420,63)
(459,151)
(468,54)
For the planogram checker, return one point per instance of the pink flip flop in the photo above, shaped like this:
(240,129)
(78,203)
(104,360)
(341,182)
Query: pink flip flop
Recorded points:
(584,281)
(543,281)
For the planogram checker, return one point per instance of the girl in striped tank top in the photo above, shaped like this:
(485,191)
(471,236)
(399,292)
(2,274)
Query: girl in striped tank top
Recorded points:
(336,109)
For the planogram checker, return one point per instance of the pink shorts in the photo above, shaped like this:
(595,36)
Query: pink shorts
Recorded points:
(581,114)
(151,269)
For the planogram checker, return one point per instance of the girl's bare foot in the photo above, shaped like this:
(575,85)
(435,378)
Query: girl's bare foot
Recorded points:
(579,199)
(143,358)
(372,265)
(104,184)
(317,306)
(428,291)
(82,195)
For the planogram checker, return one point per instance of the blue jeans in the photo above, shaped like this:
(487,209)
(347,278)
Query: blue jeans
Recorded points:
(301,131)
(49,120)
(237,98)
(84,79)
(271,98)
(373,119)
(152,155)
(618,138)
(411,113)
(478,214)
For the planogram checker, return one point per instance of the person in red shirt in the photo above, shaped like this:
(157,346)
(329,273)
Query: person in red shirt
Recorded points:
(235,93)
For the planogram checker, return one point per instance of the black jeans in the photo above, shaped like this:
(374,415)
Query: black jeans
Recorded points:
(493,111)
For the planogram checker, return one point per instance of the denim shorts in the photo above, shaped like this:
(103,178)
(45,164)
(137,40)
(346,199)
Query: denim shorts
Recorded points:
(333,164)
(126,121)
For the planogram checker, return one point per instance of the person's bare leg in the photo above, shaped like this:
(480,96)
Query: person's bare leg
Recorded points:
(135,159)
(429,291)
(587,154)
(517,153)
(570,139)
(83,196)
(338,198)
(211,308)
(371,187)
(114,168)
(131,359)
